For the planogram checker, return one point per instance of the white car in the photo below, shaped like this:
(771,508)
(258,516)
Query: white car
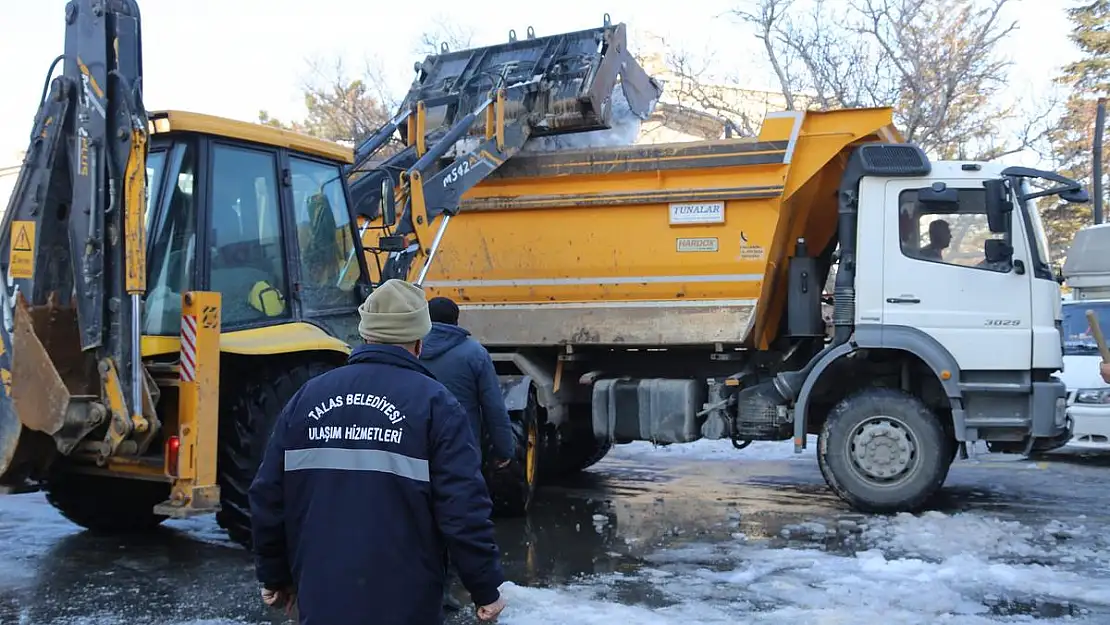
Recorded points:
(1088,395)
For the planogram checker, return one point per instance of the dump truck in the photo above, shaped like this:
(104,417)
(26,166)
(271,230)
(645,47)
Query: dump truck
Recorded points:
(171,278)
(673,292)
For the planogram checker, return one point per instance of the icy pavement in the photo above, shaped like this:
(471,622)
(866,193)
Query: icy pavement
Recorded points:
(699,534)
(964,568)
(988,564)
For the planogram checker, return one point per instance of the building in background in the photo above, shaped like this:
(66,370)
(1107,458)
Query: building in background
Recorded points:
(696,109)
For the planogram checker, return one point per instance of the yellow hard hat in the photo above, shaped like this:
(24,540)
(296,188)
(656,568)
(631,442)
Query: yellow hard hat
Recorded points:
(266,299)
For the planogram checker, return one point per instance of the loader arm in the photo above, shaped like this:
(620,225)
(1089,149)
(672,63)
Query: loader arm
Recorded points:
(74,243)
(468,112)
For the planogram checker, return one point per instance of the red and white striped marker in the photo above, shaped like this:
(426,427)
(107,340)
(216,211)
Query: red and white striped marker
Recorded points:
(188,365)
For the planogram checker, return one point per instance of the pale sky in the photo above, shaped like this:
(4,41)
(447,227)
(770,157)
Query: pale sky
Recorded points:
(234,57)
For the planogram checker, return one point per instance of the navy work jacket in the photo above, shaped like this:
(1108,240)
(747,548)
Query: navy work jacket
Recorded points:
(371,477)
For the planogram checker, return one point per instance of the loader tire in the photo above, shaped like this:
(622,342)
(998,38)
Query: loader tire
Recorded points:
(883,450)
(107,505)
(247,417)
(513,488)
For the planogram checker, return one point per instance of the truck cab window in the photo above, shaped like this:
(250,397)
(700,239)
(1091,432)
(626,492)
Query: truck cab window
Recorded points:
(246,253)
(952,234)
(328,263)
(172,238)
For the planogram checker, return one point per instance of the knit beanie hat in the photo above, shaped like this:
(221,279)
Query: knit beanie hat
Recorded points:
(395,313)
(443,310)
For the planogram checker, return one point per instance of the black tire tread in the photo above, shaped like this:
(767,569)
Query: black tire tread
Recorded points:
(107,505)
(509,490)
(934,446)
(579,454)
(247,418)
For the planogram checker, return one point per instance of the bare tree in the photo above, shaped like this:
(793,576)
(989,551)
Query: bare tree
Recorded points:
(934,61)
(349,106)
(445,31)
(341,105)
(696,101)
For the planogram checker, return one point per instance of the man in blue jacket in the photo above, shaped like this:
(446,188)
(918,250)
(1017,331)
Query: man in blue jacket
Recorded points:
(370,479)
(466,369)
(462,365)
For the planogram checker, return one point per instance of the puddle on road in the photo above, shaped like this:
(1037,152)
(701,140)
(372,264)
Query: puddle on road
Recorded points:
(1032,608)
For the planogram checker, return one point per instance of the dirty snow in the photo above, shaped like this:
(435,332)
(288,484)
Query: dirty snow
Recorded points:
(715,449)
(963,569)
(624,130)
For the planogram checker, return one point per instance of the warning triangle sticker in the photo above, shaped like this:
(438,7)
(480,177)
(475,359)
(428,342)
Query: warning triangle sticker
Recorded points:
(22,241)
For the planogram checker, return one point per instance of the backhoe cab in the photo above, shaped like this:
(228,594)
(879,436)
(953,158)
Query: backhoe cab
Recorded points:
(248,235)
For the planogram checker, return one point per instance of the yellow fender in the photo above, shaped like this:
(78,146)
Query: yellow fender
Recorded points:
(284,338)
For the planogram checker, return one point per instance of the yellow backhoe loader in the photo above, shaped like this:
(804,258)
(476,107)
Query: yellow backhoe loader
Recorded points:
(172,278)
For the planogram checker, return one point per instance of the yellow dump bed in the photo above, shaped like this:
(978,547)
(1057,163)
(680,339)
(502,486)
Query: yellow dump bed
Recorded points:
(656,245)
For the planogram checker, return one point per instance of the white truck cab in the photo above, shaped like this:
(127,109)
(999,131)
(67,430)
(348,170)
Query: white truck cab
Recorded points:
(1087,273)
(987,295)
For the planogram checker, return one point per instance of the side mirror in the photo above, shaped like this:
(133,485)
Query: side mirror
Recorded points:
(1058,273)
(1075,196)
(998,205)
(388,203)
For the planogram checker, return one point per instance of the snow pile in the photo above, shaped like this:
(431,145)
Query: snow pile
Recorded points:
(716,449)
(624,130)
(963,569)
(935,536)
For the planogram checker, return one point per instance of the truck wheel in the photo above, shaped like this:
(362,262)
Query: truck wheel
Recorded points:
(579,453)
(882,450)
(108,505)
(513,488)
(248,413)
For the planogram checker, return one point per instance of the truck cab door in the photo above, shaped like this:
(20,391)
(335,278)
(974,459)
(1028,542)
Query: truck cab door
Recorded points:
(944,276)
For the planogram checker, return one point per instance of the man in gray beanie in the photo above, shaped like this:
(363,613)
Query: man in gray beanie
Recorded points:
(371,478)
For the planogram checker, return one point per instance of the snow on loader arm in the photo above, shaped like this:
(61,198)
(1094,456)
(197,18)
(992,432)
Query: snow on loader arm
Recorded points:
(526,88)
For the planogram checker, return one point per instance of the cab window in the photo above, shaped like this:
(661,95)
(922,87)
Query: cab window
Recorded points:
(951,234)
(172,239)
(155,165)
(329,267)
(246,254)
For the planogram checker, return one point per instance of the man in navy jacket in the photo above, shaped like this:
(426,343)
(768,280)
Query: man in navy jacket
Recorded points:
(462,365)
(466,369)
(371,478)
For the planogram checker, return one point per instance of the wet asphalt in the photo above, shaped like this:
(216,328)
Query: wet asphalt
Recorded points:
(606,520)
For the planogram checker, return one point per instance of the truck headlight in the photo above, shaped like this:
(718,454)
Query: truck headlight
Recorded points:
(1092,396)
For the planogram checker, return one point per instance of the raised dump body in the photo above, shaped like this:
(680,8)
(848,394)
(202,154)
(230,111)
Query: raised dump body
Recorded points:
(654,245)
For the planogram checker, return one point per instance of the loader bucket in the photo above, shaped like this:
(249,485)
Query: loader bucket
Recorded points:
(572,77)
(38,404)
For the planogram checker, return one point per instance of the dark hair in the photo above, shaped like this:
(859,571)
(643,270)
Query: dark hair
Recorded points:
(443,310)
